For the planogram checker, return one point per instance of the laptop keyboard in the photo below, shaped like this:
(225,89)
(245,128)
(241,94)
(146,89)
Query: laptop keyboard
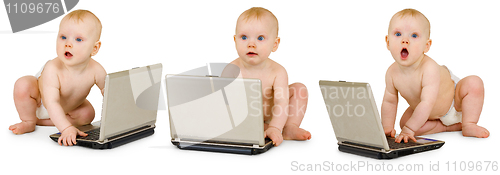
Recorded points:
(394,145)
(92,134)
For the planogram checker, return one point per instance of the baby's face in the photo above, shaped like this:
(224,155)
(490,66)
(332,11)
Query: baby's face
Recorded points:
(76,41)
(255,39)
(408,39)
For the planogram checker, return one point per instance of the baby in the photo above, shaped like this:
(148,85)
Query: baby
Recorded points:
(284,105)
(439,101)
(57,95)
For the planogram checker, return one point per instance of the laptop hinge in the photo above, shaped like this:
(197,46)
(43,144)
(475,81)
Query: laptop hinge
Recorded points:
(177,139)
(256,146)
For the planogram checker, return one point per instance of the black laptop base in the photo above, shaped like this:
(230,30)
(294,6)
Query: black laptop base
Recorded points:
(114,143)
(389,155)
(224,148)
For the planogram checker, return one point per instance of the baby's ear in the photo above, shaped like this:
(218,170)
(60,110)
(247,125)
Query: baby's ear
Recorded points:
(276,44)
(428,45)
(387,41)
(96,48)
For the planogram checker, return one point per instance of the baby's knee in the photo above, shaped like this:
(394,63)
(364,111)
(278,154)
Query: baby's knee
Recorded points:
(299,90)
(87,117)
(475,84)
(83,116)
(24,86)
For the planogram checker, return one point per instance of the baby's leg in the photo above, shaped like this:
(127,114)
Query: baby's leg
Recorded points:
(430,126)
(26,99)
(469,98)
(297,109)
(82,115)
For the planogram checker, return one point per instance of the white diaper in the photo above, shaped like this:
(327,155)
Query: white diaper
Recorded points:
(452,116)
(41,112)
(41,70)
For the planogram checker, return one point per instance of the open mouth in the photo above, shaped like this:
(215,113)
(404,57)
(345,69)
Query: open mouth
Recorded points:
(404,53)
(251,54)
(68,54)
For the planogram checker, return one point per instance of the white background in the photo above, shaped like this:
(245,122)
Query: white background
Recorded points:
(320,40)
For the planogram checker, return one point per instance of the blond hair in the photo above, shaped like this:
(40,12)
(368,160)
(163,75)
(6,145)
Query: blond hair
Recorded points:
(256,13)
(413,13)
(79,15)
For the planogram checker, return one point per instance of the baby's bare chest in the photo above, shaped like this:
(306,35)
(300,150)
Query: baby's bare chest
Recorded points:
(410,88)
(75,87)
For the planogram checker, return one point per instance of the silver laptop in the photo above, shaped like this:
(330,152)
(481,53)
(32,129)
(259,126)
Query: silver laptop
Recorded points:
(129,109)
(216,114)
(357,126)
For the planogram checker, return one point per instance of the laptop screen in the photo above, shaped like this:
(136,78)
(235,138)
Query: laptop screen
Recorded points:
(130,100)
(215,109)
(353,113)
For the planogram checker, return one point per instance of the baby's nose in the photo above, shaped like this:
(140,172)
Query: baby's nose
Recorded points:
(251,44)
(68,44)
(405,41)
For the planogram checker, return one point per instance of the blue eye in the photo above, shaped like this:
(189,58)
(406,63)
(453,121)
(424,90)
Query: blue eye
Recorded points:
(244,37)
(79,40)
(260,38)
(414,35)
(398,34)
(63,37)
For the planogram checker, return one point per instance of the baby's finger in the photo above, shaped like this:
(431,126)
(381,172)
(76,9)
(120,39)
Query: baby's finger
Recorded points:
(275,139)
(59,141)
(70,141)
(67,141)
(406,139)
(64,141)
(398,139)
(413,138)
(73,139)
(80,133)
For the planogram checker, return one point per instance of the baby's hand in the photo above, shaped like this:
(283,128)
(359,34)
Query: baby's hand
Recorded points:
(405,134)
(68,136)
(391,132)
(274,134)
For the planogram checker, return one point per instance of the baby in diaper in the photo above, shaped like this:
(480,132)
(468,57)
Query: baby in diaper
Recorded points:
(57,96)
(438,100)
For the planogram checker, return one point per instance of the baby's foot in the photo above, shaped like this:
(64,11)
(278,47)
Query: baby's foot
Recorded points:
(293,132)
(23,127)
(473,130)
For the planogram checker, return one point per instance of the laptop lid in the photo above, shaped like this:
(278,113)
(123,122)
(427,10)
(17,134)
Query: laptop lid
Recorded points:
(215,109)
(353,113)
(130,100)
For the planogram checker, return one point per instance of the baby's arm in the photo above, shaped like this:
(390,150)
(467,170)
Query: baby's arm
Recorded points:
(280,108)
(51,100)
(428,96)
(100,77)
(389,106)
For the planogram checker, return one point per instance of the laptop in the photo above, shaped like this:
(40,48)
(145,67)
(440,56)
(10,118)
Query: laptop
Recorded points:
(357,126)
(128,111)
(216,114)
